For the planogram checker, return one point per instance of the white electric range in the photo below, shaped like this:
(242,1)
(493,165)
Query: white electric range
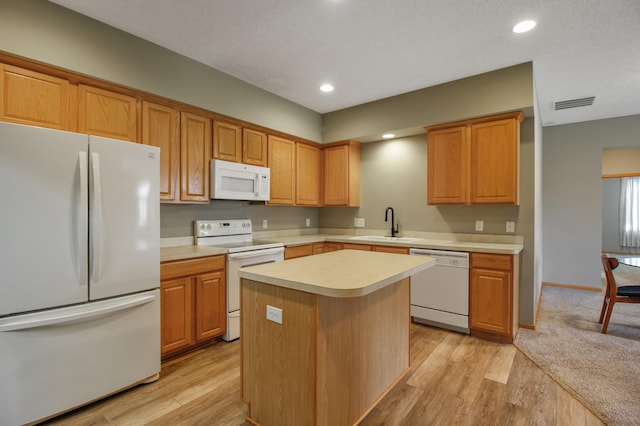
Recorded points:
(236,236)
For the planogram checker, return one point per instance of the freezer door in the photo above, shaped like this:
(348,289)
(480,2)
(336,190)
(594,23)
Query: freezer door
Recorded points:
(55,360)
(43,231)
(124,206)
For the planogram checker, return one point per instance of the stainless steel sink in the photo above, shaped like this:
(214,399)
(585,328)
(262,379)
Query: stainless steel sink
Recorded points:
(377,238)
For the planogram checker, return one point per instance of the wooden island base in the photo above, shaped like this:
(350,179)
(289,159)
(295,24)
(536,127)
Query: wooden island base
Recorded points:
(329,362)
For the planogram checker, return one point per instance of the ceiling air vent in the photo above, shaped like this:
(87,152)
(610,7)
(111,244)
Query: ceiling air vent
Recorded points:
(574,103)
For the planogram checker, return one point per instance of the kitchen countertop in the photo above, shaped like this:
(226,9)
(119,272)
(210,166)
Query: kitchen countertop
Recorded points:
(439,242)
(343,273)
(168,254)
(426,243)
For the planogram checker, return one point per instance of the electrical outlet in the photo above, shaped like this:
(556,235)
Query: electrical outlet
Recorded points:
(264,224)
(274,314)
(358,222)
(308,222)
(479,225)
(511,226)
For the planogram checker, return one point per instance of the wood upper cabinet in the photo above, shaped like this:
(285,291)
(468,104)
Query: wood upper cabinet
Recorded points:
(227,141)
(474,161)
(105,113)
(195,157)
(495,147)
(342,174)
(32,98)
(193,302)
(308,161)
(161,128)
(494,296)
(282,162)
(254,147)
(448,156)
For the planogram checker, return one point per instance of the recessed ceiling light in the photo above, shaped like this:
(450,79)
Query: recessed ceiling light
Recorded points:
(326,87)
(524,26)
(388,135)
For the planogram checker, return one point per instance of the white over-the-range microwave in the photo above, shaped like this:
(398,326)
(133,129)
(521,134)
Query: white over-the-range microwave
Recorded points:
(237,181)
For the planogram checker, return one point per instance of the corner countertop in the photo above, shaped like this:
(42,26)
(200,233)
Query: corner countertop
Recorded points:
(343,273)
(168,254)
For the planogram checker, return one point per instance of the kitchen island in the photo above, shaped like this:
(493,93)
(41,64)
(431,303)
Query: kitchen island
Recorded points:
(324,337)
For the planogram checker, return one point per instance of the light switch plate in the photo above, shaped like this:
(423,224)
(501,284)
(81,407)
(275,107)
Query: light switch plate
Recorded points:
(358,222)
(479,225)
(308,222)
(264,224)
(274,314)
(511,226)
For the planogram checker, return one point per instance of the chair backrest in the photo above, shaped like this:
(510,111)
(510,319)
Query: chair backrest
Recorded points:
(609,263)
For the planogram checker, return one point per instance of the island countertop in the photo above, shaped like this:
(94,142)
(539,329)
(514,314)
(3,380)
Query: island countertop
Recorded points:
(343,273)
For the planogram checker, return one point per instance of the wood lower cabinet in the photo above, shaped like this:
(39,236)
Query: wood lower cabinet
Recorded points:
(474,161)
(494,296)
(193,302)
(32,98)
(292,252)
(391,249)
(352,246)
(342,174)
(332,246)
(105,113)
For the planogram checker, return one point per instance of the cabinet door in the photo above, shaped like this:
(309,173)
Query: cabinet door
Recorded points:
(307,175)
(490,301)
(227,141)
(318,248)
(161,128)
(282,161)
(106,113)
(176,317)
(254,147)
(195,157)
(494,162)
(210,302)
(447,166)
(35,99)
(342,175)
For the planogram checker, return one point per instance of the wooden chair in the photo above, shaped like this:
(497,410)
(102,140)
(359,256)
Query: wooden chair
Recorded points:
(614,294)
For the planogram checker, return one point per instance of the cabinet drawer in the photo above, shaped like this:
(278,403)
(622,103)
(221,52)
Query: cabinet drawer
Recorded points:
(298,251)
(501,262)
(181,268)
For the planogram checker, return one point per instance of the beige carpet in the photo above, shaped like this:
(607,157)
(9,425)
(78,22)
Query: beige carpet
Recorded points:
(602,371)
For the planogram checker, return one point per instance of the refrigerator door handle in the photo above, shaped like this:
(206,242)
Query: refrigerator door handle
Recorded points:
(96,218)
(79,313)
(81,229)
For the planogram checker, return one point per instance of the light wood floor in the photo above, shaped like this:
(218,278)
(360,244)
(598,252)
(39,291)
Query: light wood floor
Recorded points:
(454,379)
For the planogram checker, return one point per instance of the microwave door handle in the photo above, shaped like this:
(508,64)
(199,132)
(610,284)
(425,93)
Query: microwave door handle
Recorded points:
(258,185)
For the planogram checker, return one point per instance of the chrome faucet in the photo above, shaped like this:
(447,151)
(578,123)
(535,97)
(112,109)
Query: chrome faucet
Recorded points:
(394,228)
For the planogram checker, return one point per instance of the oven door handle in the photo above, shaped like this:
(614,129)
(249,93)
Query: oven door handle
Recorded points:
(255,253)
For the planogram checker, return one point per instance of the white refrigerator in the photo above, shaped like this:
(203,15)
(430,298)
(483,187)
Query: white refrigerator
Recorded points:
(79,269)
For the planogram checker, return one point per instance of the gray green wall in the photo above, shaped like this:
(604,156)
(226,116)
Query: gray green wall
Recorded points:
(42,31)
(572,196)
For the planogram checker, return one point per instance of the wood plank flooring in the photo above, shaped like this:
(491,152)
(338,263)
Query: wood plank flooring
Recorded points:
(454,380)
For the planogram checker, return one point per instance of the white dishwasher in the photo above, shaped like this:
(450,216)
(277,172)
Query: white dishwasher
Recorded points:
(440,295)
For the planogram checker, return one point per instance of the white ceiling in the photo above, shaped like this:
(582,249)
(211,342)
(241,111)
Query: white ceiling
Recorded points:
(372,49)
